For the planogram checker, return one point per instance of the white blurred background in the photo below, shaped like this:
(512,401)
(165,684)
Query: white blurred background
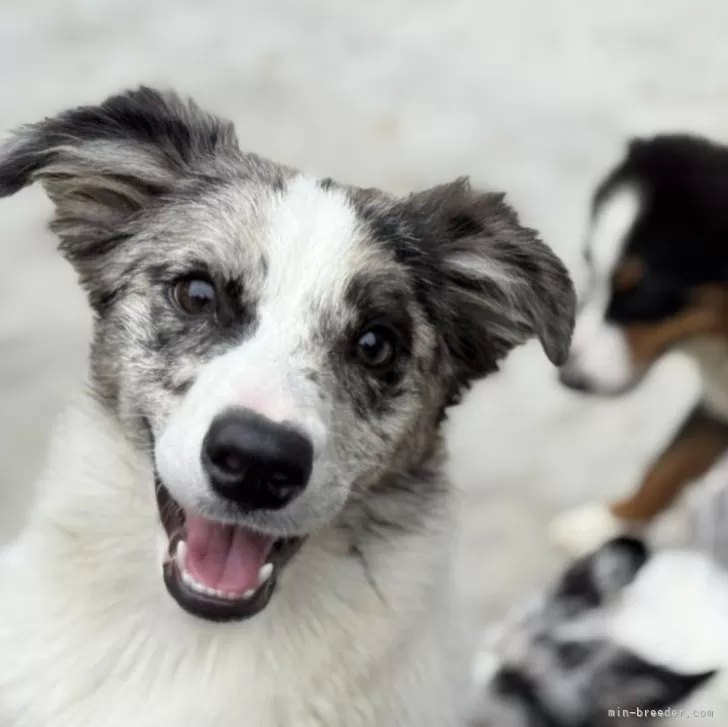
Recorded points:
(535,97)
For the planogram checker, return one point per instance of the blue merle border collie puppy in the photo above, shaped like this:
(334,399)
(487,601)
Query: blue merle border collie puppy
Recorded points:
(244,519)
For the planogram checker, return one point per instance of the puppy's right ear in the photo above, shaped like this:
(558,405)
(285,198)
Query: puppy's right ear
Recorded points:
(101,164)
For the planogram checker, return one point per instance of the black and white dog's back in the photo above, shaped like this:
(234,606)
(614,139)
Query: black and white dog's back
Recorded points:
(622,637)
(244,519)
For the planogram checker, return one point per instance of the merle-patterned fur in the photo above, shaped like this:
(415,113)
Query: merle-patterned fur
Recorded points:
(298,277)
(148,189)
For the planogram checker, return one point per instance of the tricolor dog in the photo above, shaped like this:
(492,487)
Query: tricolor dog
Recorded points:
(658,261)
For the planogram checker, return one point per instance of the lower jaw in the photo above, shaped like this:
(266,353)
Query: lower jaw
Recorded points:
(210,607)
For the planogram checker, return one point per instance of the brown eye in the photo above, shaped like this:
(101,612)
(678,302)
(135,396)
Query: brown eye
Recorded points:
(375,347)
(195,296)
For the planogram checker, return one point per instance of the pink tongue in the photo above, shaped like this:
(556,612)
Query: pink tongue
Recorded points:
(224,557)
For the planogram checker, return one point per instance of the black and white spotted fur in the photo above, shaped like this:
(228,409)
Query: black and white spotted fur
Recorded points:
(623,636)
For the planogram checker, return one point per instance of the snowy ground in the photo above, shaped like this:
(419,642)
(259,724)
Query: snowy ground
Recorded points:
(533,97)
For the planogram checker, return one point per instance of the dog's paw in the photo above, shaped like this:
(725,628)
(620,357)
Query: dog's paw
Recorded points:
(584,529)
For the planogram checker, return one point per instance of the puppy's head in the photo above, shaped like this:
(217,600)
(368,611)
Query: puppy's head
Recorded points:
(288,344)
(656,262)
(559,662)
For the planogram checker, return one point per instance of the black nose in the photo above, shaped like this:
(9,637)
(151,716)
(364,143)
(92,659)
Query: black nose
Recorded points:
(257,463)
(574,380)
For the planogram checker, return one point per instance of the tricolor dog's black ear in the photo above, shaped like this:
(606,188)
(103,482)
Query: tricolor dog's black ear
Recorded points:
(500,285)
(101,164)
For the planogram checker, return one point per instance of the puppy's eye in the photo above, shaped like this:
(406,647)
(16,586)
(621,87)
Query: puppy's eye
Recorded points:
(194,296)
(376,347)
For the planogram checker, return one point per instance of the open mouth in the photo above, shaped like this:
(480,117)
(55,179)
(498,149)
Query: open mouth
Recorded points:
(219,571)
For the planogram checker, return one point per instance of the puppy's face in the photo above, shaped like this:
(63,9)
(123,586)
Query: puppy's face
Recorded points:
(560,662)
(655,264)
(288,345)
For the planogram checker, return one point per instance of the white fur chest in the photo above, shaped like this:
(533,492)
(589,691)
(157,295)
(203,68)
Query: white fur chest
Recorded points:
(148,664)
(90,636)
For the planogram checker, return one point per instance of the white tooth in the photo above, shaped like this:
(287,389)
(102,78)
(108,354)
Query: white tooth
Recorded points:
(180,554)
(265,573)
(195,585)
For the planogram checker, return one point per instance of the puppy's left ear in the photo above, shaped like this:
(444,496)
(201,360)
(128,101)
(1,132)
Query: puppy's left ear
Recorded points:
(499,284)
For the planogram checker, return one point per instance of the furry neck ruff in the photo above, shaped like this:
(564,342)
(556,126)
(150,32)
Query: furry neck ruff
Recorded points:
(89,634)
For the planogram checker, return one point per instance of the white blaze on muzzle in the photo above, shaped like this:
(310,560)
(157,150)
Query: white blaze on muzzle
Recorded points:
(246,378)
(600,358)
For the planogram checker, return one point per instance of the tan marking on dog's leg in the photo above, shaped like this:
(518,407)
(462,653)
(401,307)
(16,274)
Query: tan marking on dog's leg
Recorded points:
(698,444)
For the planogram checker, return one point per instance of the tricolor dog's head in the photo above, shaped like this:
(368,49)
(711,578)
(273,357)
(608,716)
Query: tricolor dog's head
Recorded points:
(656,254)
(289,345)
